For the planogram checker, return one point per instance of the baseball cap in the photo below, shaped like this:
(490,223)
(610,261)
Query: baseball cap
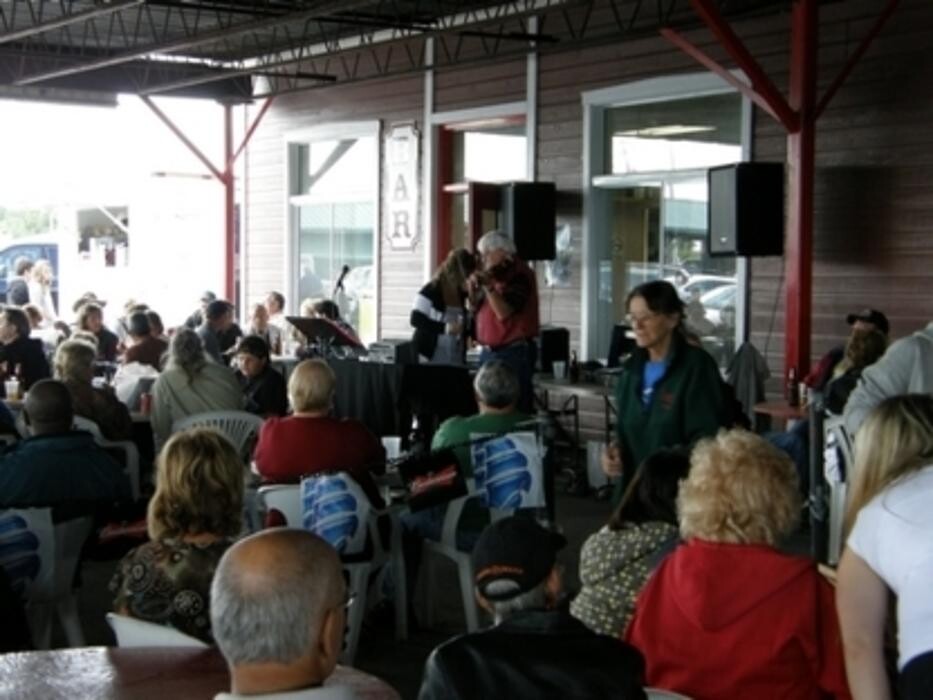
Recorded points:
(870,316)
(517,552)
(87,298)
(208,297)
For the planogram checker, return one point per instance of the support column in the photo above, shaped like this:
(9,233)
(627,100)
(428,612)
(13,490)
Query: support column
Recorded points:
(801,166)
(229,209)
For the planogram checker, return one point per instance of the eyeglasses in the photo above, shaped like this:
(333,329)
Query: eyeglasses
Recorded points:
(633,320)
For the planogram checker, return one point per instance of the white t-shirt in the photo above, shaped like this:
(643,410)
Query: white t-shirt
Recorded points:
(893,534)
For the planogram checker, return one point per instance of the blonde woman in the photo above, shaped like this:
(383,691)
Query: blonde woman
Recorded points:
(727,615)
(40,290)
(194,516)
(439,313)
(74,366)
(890,549)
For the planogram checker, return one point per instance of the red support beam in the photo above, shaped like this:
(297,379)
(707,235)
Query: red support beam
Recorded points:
(801,166)
(856,56)
(229,209)
(711,64)
(730,41)
(181,137)
(251,130)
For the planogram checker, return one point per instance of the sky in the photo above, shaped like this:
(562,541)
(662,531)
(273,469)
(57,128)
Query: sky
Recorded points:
(55,154)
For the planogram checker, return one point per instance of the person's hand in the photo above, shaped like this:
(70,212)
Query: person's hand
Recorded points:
(612,461)
(454,328)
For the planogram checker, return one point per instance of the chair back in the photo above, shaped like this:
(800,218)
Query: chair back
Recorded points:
(239,427)
(838,458)
(27,552)
(508,471)
(659,694)
(334,507)
(131,632)
(127,447)
(285,498)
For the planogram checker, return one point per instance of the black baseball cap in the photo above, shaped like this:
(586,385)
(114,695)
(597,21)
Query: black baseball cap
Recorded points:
(872,316)
(517,551)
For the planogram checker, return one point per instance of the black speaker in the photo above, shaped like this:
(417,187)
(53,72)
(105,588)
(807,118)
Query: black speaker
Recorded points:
(553,344)
(745,215)
(530,218)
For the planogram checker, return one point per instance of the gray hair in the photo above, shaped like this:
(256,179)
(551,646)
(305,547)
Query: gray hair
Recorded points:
(495,240)
(496,385)
(535,599)
(187,352)
(266,614)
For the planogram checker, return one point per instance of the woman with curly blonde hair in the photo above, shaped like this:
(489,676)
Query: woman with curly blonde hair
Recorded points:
(890,549)
(194,516)
(727,615)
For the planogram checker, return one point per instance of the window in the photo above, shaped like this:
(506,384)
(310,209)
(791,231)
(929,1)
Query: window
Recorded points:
(647,208)
(333,206)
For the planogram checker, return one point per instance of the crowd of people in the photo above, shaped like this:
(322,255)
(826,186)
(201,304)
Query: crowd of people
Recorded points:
(687,587)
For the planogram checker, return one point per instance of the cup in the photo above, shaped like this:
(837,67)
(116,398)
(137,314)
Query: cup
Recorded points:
(559,369)
(11,386)
(393,446)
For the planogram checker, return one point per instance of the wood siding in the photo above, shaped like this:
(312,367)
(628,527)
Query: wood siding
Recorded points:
(874,180)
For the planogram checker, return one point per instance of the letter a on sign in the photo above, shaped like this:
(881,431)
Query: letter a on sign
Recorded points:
(400,191)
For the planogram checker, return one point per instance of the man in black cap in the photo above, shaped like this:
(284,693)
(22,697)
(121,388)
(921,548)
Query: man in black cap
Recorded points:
(535,649)
(825,369)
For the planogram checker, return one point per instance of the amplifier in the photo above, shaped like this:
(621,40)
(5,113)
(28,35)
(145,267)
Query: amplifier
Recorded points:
(393,351)
(553,344)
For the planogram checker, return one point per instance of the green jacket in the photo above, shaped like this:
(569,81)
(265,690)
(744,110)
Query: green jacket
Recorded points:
(687,404)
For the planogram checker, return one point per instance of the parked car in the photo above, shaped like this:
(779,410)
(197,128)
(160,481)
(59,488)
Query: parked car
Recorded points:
(701,284)
(720,305)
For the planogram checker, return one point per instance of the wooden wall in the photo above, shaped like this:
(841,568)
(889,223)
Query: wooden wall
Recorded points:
(874,183)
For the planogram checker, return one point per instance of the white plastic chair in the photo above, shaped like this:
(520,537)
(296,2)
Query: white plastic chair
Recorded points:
(285,498)
(837,461)
(239,427)
(129,449)
(502,482)
(334,507)
(40,560)
(131,632)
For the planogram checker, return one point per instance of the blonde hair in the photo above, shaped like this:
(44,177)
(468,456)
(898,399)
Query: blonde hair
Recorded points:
(311,386)
(199,487)
(459,264)
(42,272)
(740,490)
(895,440)
(74,361)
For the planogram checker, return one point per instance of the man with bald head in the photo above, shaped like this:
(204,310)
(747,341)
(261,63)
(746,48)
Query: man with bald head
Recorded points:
(278,611)
(56,466)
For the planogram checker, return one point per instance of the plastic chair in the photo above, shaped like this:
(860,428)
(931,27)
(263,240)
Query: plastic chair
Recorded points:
(131,632)
(334,507)
(239,427)
(508,474)
(837,460)
(285,498)
(659,694)
(129,449)
(40,560)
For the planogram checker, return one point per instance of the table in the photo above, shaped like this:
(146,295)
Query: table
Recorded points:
(386,396)
(144,673)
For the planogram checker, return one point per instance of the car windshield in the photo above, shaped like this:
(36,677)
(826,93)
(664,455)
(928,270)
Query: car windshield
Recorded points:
(719,297)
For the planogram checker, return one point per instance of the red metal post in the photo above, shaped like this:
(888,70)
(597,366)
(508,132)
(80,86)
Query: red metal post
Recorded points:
(801,166)
(229,209)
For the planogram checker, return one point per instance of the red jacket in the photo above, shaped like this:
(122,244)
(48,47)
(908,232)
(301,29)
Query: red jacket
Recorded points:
(519,287)
(292,447)
(739,621)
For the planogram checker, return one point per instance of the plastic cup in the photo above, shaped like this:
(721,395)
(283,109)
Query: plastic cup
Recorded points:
(559,369)
(11,386)
(393,446)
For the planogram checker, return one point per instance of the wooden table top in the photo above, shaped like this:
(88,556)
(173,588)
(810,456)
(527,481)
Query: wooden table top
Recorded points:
(143,673)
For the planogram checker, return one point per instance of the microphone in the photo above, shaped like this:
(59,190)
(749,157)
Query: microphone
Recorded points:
(343,273)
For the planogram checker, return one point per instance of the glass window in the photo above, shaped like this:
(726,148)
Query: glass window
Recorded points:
(334,205)
(654,198)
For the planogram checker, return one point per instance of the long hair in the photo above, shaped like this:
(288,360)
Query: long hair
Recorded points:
(895,440)
(652,495)
(456,268)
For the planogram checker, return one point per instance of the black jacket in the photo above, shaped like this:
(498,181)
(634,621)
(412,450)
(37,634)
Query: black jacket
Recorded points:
(17,293)
(427,317)
(29,356)
(534,654)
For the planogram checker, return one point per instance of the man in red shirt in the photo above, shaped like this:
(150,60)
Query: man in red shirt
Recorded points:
(311,441)
(504,296)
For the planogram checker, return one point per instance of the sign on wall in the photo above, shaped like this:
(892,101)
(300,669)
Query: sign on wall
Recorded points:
(402,187)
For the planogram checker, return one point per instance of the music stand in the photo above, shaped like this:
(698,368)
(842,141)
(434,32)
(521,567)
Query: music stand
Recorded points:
(324,332)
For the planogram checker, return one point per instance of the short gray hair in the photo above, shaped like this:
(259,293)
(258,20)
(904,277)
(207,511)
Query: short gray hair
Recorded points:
(535,599)
(497,385)
(266,614)
(495,240)
(187,352)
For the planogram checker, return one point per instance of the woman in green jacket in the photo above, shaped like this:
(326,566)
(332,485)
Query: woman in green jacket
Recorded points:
(670,393)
